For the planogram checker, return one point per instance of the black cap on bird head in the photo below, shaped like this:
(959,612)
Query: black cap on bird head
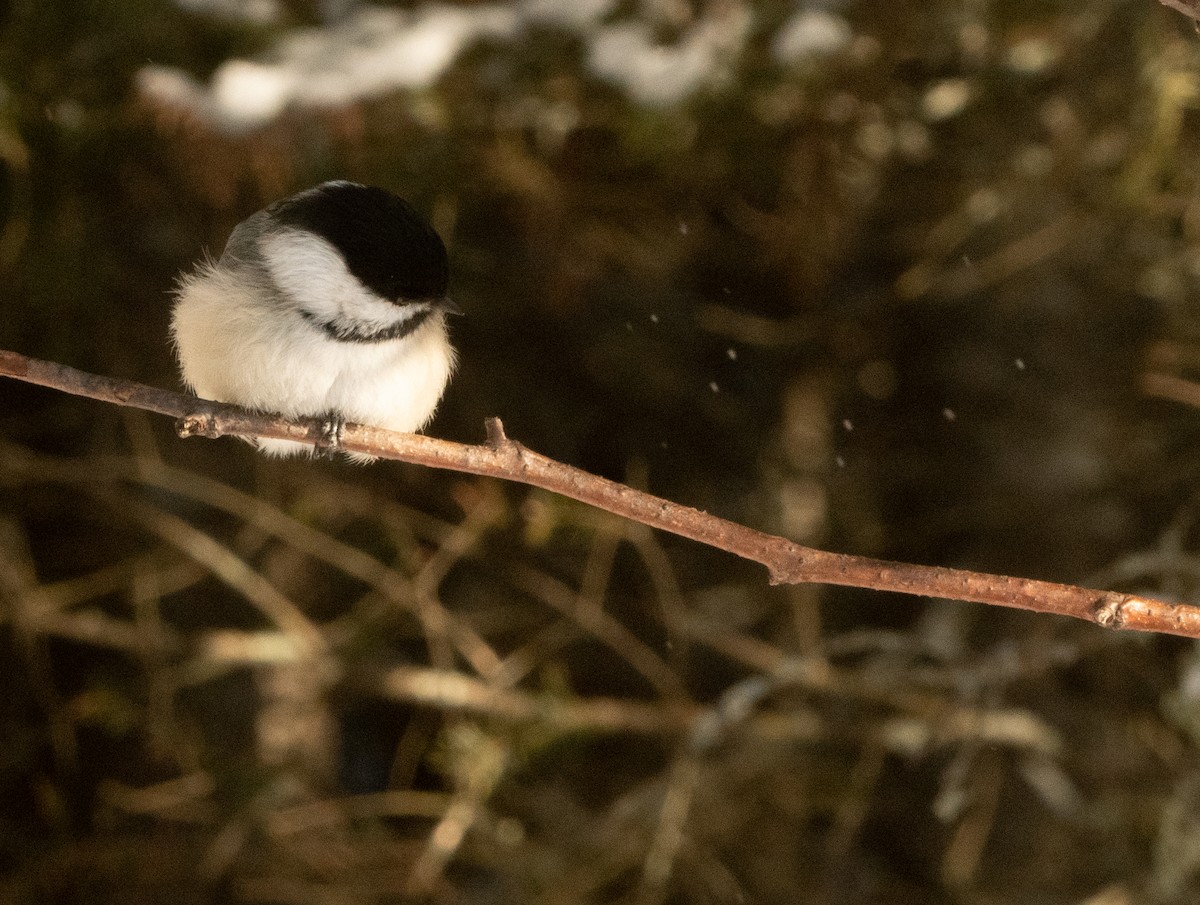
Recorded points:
(386,244)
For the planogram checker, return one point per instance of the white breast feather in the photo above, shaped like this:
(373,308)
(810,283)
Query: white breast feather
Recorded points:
(234,346)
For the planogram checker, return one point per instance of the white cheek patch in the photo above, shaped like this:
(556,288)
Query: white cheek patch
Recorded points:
(313,275)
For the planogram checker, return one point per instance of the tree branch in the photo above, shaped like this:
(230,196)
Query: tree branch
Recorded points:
(1190,8)
(500,457)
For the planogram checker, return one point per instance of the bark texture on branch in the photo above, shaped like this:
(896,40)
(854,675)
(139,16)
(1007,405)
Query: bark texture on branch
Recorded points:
(501,457)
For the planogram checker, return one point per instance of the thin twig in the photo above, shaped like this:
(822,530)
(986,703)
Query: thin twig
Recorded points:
(1190,8)
(916,725)
(602,626)
(1168,386)
(500,457)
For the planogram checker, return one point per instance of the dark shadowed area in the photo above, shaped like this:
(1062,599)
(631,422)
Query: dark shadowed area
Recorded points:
(885,277)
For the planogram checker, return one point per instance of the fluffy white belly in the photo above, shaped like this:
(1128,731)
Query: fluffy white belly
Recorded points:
(233,350)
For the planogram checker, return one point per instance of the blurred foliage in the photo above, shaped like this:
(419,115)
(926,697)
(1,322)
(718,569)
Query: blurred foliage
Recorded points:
(882,276)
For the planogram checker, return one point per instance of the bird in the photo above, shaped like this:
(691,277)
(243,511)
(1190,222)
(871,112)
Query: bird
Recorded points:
(330,303)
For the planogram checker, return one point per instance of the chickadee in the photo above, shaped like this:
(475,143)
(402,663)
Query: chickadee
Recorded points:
(330,303)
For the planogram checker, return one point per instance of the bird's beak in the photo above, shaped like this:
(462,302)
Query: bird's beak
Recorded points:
(449,306)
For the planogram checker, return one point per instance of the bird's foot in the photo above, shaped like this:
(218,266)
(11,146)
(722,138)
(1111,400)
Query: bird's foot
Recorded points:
(331,436)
